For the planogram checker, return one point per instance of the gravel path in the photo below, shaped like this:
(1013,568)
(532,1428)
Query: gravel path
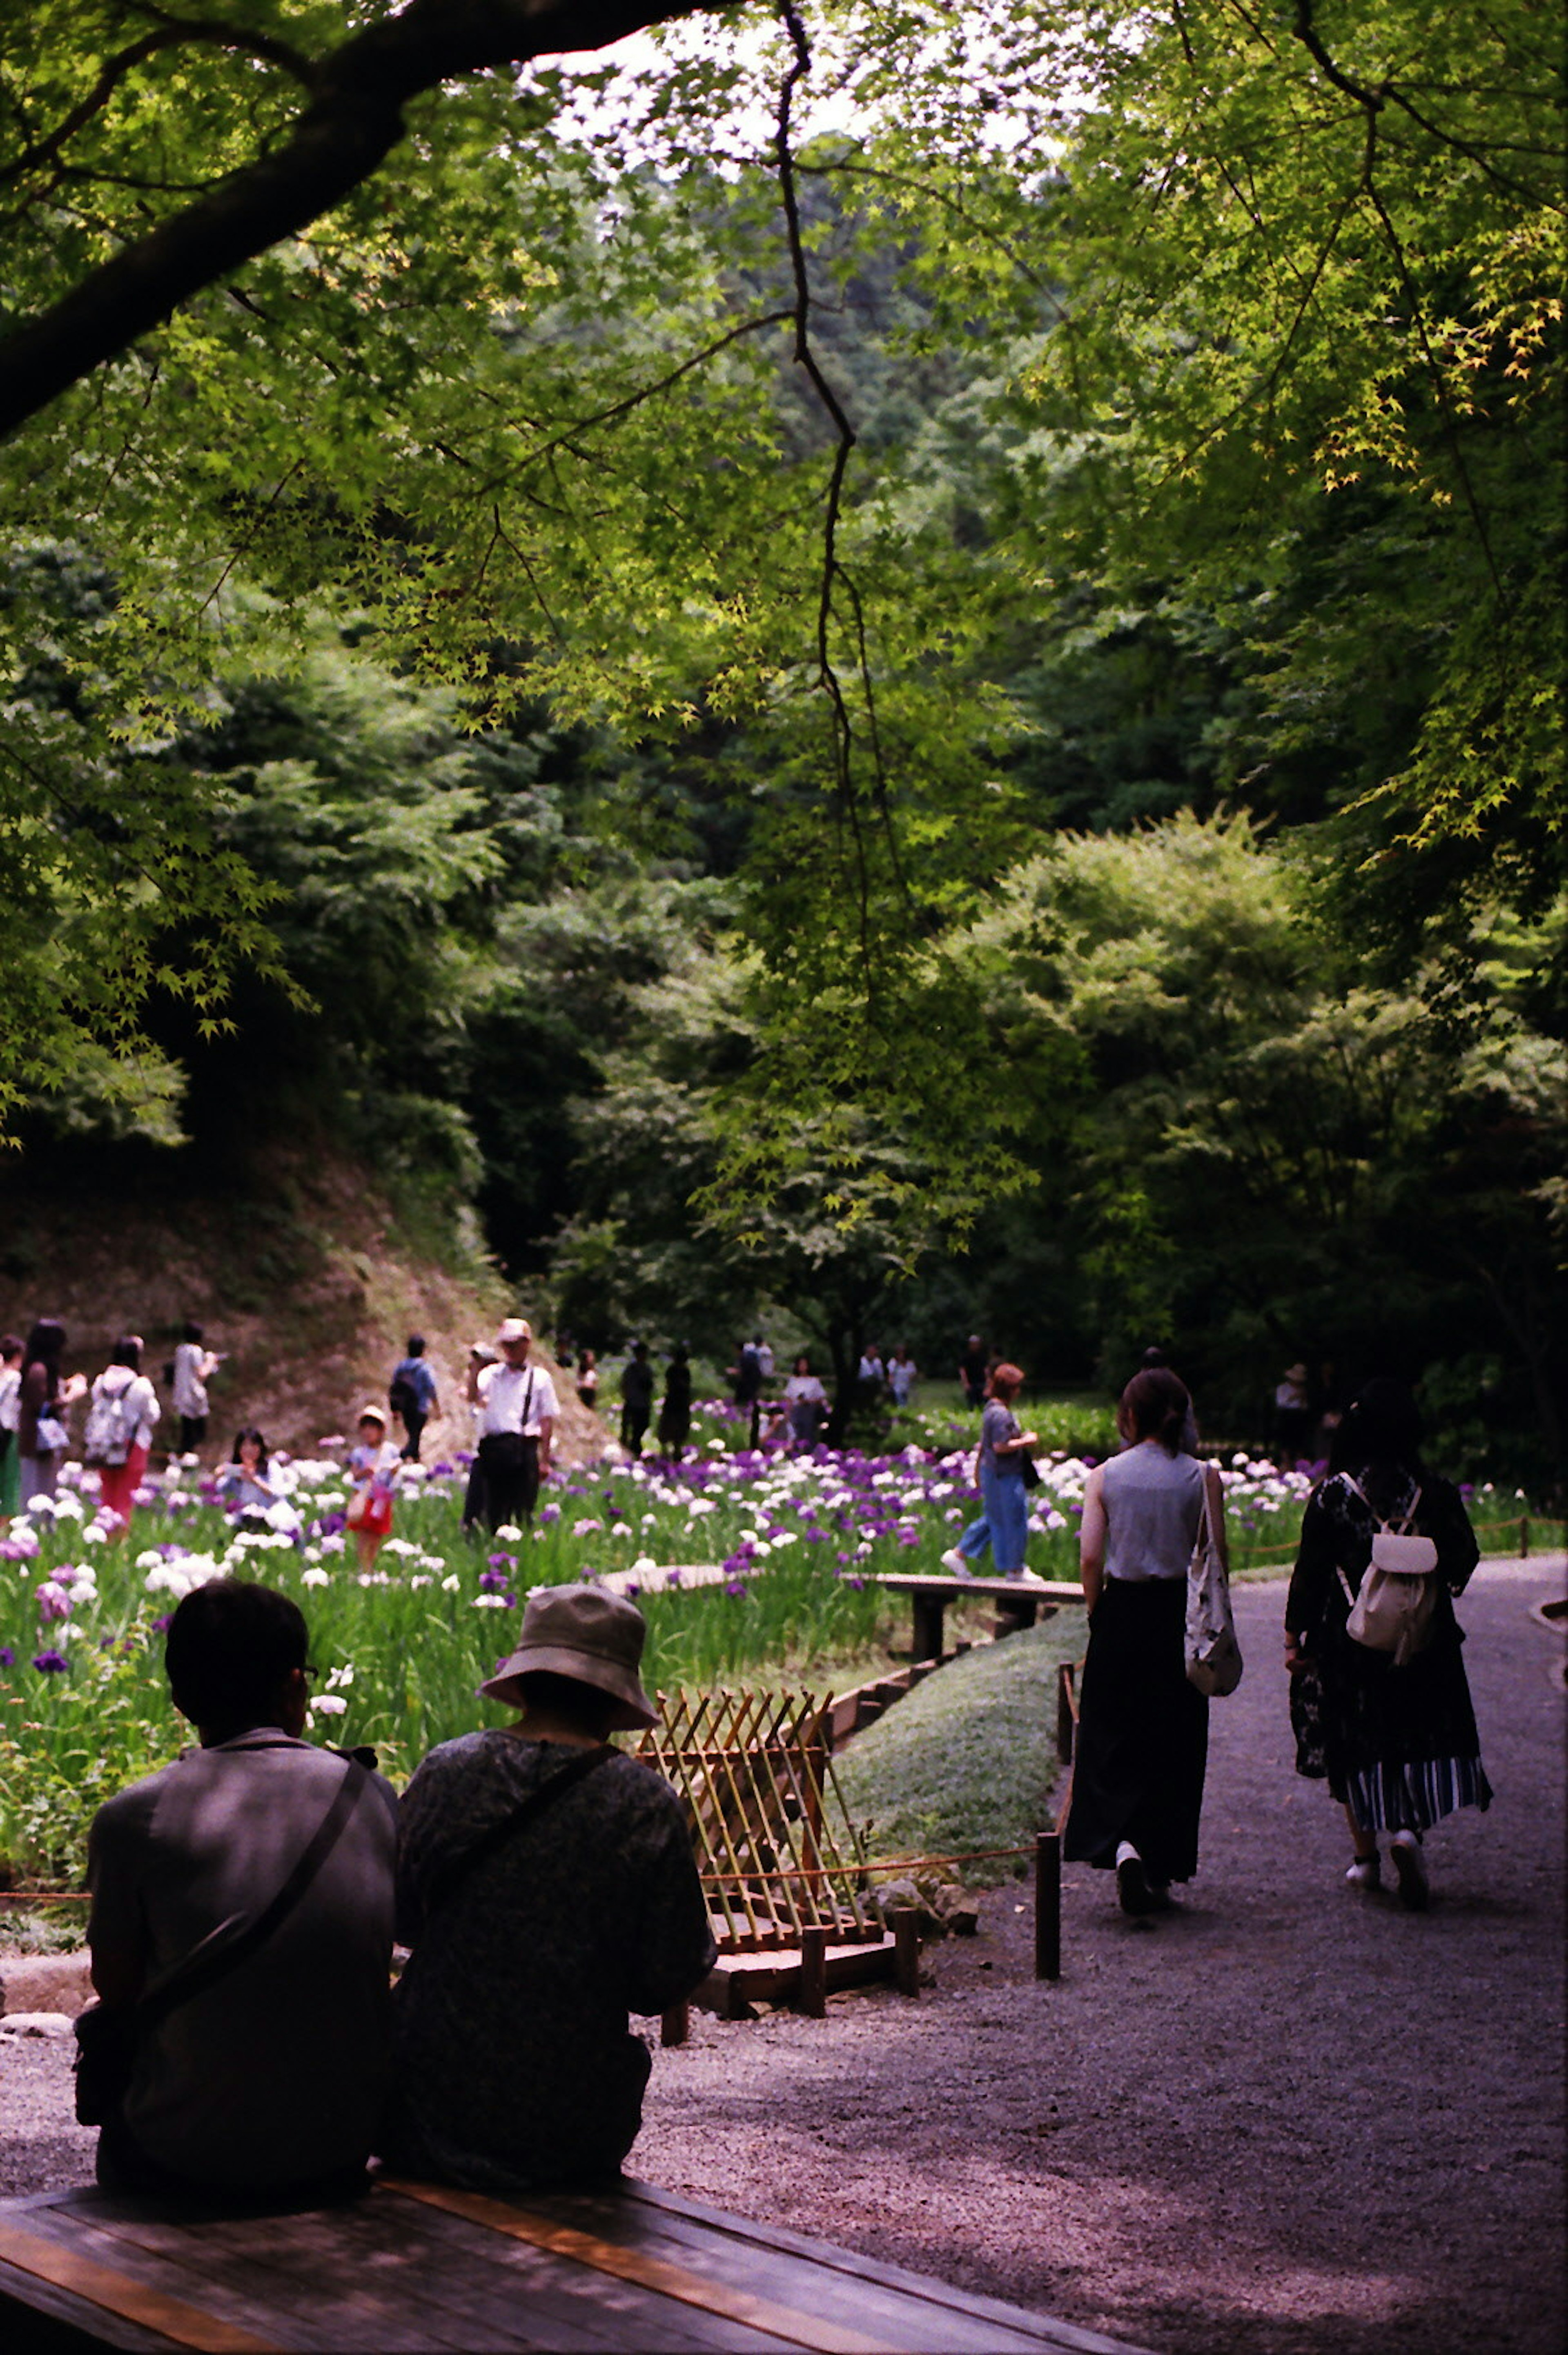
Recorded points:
(1286,2121)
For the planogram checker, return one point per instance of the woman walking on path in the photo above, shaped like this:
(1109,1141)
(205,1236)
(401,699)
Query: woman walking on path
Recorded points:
(1142,1730)
(41,1437)
(1003,1524)
(1396,1743)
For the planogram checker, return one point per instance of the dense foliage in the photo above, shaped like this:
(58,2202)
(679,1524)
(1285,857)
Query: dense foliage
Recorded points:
(770,700)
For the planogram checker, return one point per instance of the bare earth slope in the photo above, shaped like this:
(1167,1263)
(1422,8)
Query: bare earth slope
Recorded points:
(303,1281)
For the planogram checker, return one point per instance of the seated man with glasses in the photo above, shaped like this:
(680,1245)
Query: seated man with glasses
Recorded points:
(241,1933)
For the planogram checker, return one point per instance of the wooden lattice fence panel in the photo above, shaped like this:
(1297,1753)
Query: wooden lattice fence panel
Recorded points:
(775,1846)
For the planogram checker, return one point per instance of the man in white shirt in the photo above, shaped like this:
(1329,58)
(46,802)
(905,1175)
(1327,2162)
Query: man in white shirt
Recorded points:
(517,1413)
(241,1927)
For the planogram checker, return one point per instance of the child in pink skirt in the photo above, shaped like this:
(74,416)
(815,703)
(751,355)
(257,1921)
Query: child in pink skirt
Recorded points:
(373,1469)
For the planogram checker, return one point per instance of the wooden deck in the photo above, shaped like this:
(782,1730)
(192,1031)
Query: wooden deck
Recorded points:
(419,2267)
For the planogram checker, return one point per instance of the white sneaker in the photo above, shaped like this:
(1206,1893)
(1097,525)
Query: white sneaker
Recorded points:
(1133,1885)
(955,1564)
(1365,1871)
(1410,1871)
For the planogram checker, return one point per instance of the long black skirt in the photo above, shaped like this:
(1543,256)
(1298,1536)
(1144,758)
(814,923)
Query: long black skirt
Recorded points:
(1143,1733)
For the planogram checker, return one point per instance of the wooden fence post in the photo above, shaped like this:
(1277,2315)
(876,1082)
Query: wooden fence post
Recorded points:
(1523,1533)
(906,1949)
(814,1973)
(1046,1905)
(676,2025)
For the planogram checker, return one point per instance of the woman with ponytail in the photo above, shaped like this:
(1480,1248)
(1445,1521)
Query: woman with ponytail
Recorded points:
(1142,1730)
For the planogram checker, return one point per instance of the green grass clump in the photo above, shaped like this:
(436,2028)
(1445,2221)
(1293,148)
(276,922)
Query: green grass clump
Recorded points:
(967,1759)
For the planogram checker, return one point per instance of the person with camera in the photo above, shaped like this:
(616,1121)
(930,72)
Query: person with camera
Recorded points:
(518,1411)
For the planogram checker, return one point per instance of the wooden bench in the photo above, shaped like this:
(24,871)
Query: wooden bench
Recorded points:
(419,2267)
(1019,1601)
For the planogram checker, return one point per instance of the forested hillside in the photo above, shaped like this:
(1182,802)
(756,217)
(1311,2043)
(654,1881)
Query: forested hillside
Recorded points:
(943,716)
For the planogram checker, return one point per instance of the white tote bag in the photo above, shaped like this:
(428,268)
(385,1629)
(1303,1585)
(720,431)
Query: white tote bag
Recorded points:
(1213,1654)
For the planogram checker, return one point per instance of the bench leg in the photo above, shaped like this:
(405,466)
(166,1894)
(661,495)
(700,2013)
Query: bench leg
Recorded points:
(1013,1618)
(928,1614)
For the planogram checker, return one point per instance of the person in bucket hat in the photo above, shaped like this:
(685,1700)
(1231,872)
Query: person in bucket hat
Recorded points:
(589,1637)
(547,1889)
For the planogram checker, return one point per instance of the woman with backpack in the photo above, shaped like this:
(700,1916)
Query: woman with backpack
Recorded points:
(1380,1702)
(120,1423)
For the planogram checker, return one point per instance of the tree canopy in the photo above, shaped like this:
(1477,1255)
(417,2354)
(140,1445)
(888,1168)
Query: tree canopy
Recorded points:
(773,487)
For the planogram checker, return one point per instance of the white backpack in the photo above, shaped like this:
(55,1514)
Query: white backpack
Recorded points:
(112,1425)
(1392,1611)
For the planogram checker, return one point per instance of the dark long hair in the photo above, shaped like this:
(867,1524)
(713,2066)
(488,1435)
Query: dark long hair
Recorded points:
(249,1431)
(1383,1426)
(1154,1406)
(45,1342)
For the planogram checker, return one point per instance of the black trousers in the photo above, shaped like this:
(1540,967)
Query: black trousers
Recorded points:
(413,1432)
(510,1467)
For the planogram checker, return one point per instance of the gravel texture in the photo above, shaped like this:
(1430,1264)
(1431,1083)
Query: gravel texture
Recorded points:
(1287,2120)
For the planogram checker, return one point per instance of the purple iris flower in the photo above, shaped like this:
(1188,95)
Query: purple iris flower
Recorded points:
(50,1664)
(8,1657)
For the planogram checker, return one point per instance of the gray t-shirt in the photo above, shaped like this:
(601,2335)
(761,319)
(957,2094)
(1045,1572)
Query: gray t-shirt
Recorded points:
(515,2066)
(1153,1502)
(278,2071)
(997,1423)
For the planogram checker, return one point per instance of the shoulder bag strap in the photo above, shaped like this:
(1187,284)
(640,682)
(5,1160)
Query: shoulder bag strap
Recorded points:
(456,1870)
(216,1964)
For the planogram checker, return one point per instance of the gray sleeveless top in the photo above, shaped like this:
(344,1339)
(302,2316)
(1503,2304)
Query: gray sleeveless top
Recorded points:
(1153,1504)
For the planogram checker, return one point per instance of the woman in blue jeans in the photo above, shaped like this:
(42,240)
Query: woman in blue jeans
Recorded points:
(1003,1524)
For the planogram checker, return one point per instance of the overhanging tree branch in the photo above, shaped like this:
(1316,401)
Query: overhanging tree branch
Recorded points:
(354,121)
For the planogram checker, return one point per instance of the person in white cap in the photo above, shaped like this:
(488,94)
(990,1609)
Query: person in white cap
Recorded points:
(517,1413)
(546,1887)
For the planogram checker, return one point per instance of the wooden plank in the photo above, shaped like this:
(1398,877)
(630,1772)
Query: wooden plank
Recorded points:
(737,2305)
(682,2214)
(909,2319)
(953,1590)
(341,2280)
(45,2320)
(295,2273)
(117,2293)
(772,1977)
(565,2305)
(525,2296)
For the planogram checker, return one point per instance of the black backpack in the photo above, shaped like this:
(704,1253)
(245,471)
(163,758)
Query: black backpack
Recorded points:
(402,1397)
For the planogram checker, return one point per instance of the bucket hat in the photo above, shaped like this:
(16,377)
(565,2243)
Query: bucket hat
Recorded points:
(371,1413)
(514,1329)
(585,1633)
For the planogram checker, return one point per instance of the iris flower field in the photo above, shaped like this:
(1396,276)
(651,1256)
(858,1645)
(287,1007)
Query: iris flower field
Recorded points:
(398,1651)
